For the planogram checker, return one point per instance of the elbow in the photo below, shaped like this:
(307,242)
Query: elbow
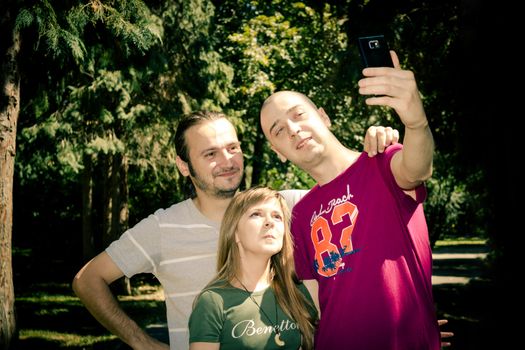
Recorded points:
(429,172)
(420,179)
(424,176)
(76,284)
(420,175)
(81,281)
(413,179)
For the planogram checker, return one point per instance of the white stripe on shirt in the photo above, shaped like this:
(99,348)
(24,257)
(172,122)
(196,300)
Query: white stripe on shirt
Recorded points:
(186,294)
(178,330)
(141,250)
(184,226)
(189,258)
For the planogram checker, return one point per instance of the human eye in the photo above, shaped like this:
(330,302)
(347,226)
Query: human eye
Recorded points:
(209,154)
(255,214)
(300,114)
(235,148)
(278,131)
(278,216)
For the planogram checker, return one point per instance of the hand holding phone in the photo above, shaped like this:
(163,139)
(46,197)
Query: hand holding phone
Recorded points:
(374,51)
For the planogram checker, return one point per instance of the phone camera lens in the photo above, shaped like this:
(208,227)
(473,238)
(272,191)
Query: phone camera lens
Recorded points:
(373,44)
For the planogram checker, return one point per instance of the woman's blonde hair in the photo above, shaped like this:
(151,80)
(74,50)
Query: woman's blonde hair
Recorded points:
(282,268)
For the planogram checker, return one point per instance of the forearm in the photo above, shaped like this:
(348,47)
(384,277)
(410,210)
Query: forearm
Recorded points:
(418,152)
(413,165)
(98,299)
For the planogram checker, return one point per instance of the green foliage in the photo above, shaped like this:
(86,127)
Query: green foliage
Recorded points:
(454,207)
(93,115)
(445,205)
(290,177)
(305,46)
(62,28)
(120,95)
(278,46)
(98,118)
(193,75)
(113,77)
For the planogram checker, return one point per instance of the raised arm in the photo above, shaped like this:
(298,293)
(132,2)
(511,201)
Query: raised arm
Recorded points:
(397,89)
(91,285)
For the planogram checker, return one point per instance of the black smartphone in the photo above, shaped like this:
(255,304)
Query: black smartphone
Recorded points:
(374,51)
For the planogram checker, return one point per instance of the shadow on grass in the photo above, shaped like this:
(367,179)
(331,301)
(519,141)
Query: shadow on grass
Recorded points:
(459,267)
(462,260)
(476,311)
(476,315)
(49,316)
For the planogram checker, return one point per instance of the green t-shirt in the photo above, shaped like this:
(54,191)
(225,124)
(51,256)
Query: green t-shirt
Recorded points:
(229,316)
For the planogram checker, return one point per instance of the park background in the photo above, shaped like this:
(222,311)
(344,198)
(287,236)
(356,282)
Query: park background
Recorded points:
(92,91)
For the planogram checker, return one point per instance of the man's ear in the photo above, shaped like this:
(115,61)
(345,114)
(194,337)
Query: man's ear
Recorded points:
(324,117)
(182,166)
(279,155)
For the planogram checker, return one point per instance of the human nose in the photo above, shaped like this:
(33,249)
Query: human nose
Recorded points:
(268,222)
(225,157)
(293,128)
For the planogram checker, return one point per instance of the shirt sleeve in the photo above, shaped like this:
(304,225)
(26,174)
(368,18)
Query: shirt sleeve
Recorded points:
(292,196)
(421,193)
(206,320)
(138,249)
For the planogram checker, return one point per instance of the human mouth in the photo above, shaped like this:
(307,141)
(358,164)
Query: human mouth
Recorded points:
(228,173)
(303,142)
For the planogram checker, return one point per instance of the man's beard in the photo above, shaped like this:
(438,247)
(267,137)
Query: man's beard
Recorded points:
(203,186)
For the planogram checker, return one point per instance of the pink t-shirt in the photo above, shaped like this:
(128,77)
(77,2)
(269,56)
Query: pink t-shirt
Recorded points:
(366,242)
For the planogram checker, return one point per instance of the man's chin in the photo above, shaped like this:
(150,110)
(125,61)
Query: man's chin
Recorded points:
(226,193)
(225,187)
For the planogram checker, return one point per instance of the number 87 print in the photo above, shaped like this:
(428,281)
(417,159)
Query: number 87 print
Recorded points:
(328,257)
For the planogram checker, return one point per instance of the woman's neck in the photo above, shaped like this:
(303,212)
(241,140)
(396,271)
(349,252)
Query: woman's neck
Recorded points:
(254,276)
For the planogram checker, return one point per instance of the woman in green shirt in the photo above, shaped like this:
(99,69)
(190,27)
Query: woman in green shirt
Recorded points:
(256,300)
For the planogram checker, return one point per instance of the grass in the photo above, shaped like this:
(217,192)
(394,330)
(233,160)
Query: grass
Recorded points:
(62,340)
(473,241)
(50,316)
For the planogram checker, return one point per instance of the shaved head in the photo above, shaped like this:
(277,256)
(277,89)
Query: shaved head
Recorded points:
(285,94)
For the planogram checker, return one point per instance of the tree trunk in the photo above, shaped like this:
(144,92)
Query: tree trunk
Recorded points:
(88,242)
(123,214)
(124,195)
(117,207)
(257,164)
(9,111)
(107,197)
(114,190)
